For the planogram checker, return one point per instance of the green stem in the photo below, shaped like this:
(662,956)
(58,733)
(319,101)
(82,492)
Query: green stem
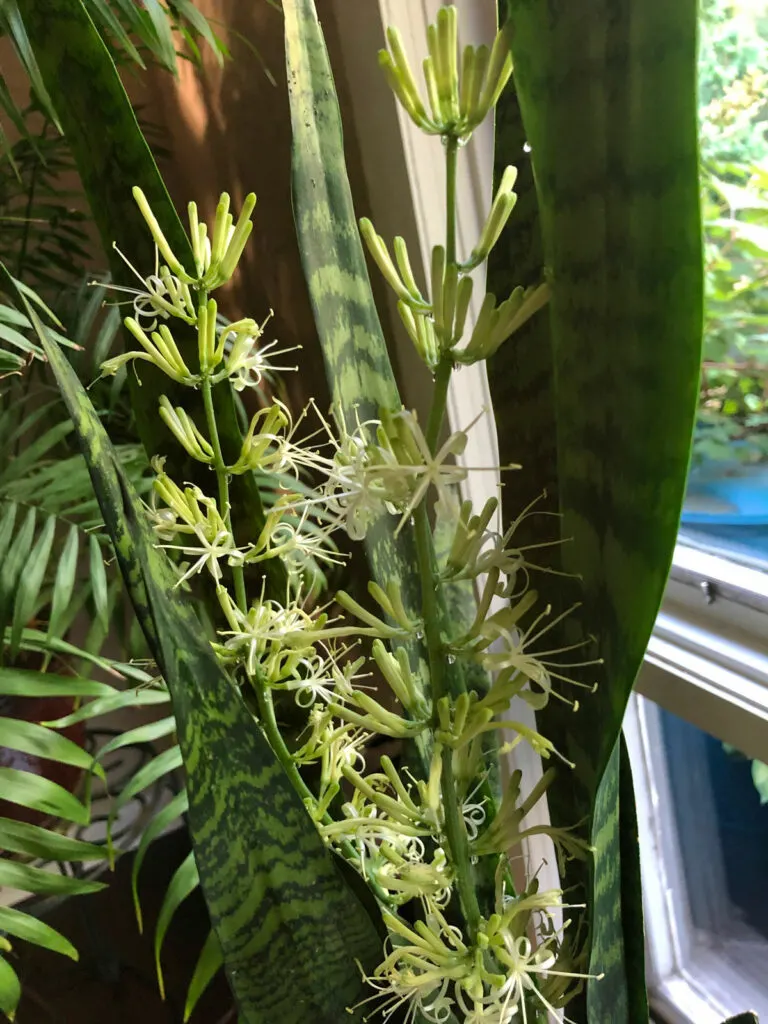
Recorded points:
(276,741)
(451,161)
(439,402)
(432,613)
(222,478)
(281,752)
(433,604)
(445,366)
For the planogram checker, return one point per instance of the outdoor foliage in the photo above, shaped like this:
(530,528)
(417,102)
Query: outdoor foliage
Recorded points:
(733,74)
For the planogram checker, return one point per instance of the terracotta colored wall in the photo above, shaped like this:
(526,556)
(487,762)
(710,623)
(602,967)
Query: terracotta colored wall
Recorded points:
(228,128)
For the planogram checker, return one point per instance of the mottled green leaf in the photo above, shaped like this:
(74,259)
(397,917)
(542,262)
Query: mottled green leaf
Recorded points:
(356,359)
(601,405)
(291,932)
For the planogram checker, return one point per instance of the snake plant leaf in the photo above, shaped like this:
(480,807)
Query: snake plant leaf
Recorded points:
(611,126)
(356,359)
(292,934)
(112,156)
(355,353)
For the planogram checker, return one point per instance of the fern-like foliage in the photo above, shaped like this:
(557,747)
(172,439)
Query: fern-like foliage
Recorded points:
(28,847)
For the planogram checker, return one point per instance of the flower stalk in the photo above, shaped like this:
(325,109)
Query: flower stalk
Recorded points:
(414,840)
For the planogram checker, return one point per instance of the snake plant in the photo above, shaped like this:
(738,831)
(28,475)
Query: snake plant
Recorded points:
(339,887)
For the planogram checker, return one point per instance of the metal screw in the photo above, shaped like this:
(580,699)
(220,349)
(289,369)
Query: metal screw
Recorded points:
(708,590)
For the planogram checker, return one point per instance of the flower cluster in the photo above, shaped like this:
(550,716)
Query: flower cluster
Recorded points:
(355,670)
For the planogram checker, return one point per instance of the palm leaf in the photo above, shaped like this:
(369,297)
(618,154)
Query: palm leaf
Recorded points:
(21,841)
(290,931)
(95,106)
(612,130)
(208,964)
(30,845)
(151,23)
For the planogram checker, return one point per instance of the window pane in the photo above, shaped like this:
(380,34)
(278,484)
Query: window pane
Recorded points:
(720,824)
(727,505)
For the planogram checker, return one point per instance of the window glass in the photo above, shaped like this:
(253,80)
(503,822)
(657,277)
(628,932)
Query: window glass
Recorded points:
(727,502)
(721,810)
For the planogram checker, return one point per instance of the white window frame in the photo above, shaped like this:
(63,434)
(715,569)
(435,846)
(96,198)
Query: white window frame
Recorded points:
(708,658)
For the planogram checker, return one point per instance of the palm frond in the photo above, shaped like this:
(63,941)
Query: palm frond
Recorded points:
(28,846)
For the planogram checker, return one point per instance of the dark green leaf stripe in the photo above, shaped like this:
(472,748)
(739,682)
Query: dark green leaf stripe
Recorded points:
(359,371)
(112,156)
(612,127)
(289,928)
(356,359)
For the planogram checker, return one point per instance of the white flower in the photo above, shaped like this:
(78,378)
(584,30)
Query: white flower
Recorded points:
(473,813)
(296,538)
(416,469)
(270,638)
(247,362)
(161,295)
(350,492)
(210,549)
(419,972)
